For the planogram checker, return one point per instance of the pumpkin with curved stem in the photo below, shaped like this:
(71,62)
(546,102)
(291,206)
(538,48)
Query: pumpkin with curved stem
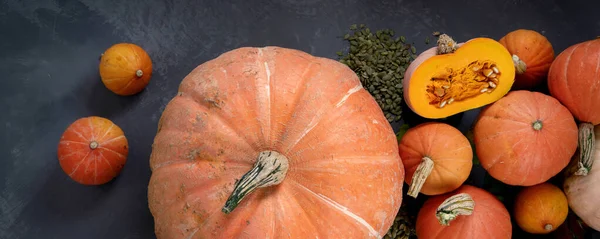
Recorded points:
(452,78)
(92,150)
(466,213)
(541,209)
(574,80)
(125,69)
(270,143)
(582,190)
(532,55)
(437,158)
(525,138)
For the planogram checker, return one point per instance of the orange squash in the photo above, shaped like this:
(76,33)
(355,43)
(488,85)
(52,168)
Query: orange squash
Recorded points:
(540,209)
(92,150)
(125,69)
(271,143)
(466,213)
(574,79)
(525,138)
(437,157)
(532,56)
(452,78)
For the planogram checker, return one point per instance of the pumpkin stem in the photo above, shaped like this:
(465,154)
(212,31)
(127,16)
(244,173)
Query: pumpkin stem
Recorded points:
(420,176)
(520,65)
(548,227)
(445,44)
(93,145)
(537,125)
(270,169)
(459,204)
(587,140)
(139,73)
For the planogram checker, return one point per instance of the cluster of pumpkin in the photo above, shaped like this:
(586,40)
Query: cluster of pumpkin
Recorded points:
(254,118)
(521,137)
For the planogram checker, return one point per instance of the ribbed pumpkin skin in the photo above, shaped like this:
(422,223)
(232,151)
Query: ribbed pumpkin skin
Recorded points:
(574,79)
(447,147)
(490,219)
(509,147)
(345,176)
(535,50)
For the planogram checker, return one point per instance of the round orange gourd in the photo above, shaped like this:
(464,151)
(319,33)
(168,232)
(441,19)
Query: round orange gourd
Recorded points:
(574,80)
(540,209)
(272,143)
(532,56)
(525,138)
(466,213)
(92,150)
(125,69)
(582,190)
(437,157)
(452,78)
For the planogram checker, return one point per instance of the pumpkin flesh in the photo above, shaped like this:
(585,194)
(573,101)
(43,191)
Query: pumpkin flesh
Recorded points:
(439,86)
(312,110)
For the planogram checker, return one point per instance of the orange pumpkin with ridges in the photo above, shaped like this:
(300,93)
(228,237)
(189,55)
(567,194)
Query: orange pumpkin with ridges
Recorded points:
(125,69)
(270,143)
(532,55)
(93,150)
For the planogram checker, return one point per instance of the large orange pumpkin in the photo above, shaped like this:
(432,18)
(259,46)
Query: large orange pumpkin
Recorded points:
(466,213)
(271,143)
(437,158)
(574,79)
(125,69)
(92,150)
(532,54)
(525,138)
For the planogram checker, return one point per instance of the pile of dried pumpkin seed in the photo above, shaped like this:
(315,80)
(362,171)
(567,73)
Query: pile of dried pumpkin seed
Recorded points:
(403,227)
(380,61)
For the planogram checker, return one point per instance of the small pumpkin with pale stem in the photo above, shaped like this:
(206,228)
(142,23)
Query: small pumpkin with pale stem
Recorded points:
(532,56)
(125,69)
(92,150)
(541,209)
(437,158)
(467,213)
(574,80)
(452,78)
(525,138)
(274,143)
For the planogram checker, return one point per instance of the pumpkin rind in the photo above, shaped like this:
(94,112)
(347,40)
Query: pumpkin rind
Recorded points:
(125,69)
(489,218)
(92,150)
(428,65)
(525,138)
(443,144)
(345,177)
(540,209)
(534,52)
(583,191)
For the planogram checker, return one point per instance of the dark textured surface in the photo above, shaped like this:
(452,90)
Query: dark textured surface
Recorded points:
(49,57)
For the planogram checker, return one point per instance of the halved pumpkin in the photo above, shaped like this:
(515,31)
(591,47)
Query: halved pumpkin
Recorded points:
(452,78)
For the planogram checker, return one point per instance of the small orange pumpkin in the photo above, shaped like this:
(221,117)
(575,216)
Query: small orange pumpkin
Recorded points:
(541,209)
(92,150)
(467,213)
(125,69)
(532,55)
(437,158)
(525,138)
